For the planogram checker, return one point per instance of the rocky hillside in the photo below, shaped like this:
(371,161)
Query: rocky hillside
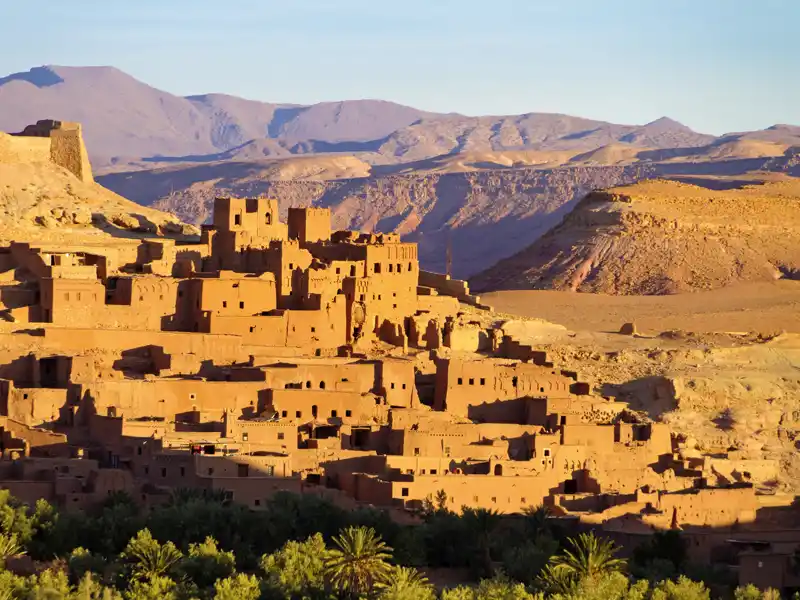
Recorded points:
(662,237)
(42,201)
(486,215)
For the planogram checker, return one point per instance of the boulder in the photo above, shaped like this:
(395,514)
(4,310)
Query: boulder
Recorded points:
(125,221)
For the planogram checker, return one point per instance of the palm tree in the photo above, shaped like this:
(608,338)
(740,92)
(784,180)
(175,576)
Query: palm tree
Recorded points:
(9,547)
(588,558)
(536,520)
(358,562)
(406,583)
(482,523)
(149,558)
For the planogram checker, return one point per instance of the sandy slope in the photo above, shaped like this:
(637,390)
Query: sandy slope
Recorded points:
(41,201)
(659,237)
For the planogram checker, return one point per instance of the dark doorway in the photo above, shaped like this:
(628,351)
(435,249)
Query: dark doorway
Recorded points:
(360,437)
(48,372)
(326,431)
(498,469)
(570,486)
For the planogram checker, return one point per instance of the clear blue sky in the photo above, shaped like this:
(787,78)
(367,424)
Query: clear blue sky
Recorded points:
(715,65)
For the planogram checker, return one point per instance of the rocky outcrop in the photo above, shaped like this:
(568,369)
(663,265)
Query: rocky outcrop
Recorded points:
(661,237)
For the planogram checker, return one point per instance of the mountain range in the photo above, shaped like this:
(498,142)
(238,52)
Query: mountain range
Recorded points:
(124,118)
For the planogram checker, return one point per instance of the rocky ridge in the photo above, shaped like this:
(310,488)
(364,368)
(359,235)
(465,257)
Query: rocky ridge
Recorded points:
(662,237)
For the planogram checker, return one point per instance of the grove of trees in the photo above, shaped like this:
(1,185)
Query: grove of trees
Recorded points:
(200,546)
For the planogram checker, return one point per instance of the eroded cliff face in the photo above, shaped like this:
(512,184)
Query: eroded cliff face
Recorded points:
(661,238)
(485,215)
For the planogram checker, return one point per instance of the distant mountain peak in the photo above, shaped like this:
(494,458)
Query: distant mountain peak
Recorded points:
(666,122)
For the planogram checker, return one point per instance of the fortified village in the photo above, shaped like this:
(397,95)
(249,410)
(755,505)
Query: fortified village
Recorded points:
(273,356)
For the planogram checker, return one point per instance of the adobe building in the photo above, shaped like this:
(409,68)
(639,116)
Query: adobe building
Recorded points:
(270,356)
(60,142)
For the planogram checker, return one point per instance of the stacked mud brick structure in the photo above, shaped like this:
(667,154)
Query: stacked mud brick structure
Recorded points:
(273,356)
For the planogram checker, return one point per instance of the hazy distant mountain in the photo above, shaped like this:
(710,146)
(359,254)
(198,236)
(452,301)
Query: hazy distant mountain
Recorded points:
(124,117)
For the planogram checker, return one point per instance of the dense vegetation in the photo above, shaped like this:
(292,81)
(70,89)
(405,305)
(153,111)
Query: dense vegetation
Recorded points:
(302,547)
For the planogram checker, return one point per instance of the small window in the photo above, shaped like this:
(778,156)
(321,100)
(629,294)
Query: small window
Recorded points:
(333,414)
(404,492)
(361,298)
(377,267)
(391,386)
(494,499)
(210,470)
(483,381)
(284,414)
(245,436)
(348,413)
(434,472)
(183,471)
(460,381)
(391,268)
(410,267)
(164,472)
(547,451)
(146,470)
(308,385)
(252,328)
(237,219)
(416,451)
(471,381)
(257,502)
(352,270)
(399,267)
(313,330)
(447,451)
(139,450)
(522,500)
(281,435)
(268,221)
(338,271)
(224,304)
(298,414)
(291,266)
(241,304)
(404,386)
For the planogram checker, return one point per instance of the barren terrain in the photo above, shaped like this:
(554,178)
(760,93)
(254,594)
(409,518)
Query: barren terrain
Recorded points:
(661,237)
(42,201)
